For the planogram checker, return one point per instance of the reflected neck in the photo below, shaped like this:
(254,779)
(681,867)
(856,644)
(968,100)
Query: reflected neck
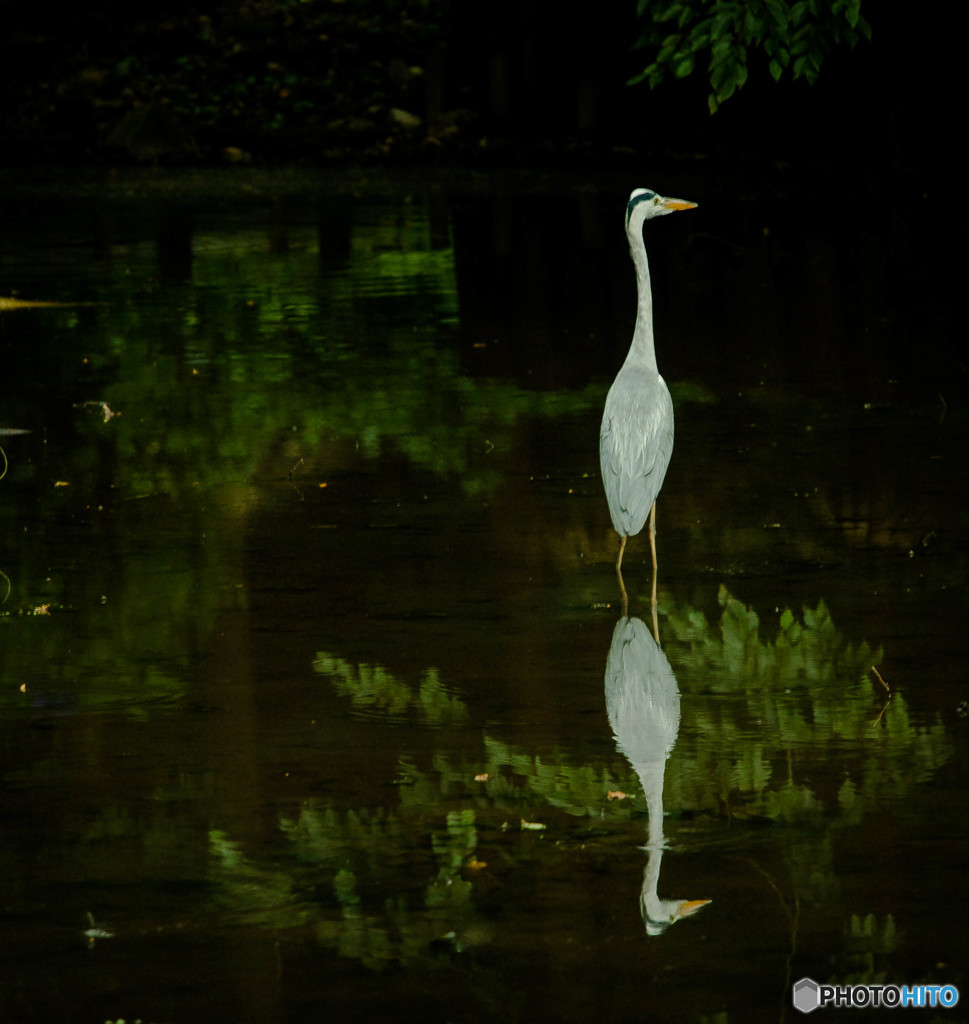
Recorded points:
(642,351)
(652,783)
(654,847)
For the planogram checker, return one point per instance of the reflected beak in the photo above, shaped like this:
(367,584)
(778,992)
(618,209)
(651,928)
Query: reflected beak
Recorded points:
(678,204)
(688,907)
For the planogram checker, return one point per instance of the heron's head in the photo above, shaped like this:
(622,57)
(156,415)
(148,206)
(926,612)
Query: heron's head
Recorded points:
(644,204)
(660,914)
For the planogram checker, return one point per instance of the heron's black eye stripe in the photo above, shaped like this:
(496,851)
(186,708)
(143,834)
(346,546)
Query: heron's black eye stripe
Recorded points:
(643,197)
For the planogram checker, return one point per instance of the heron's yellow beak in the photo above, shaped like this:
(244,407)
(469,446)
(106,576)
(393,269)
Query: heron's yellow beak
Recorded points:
(678,204)
(688,907)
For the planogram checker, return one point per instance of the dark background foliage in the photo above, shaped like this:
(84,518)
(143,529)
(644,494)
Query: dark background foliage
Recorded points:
(433,80)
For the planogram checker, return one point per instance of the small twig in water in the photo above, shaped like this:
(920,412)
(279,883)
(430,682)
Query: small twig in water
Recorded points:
(6,465)
(792,918)
(290,476)
(878,676)
(888,690)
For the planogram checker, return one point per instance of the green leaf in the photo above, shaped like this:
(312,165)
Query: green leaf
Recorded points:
(721,22)
(778,12)
(669,48)
(753,26)
(790,33)
(669,13)
(685,67)
(720,51)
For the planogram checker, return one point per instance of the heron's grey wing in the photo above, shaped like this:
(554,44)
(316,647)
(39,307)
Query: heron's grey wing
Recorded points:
(615,469)
(635,445)
(642,697)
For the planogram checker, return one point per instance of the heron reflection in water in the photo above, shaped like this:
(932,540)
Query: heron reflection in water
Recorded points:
(643,704)
(636,437)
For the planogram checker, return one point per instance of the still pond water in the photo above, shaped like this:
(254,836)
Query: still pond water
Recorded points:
(316,702)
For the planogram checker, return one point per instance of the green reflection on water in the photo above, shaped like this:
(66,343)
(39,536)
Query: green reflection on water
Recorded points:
(372,688)
(760,717)
(388,885)
(812,650)
(807,691)
(209,377)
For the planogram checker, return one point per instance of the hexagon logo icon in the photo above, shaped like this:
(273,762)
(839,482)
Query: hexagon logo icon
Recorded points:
(806,995)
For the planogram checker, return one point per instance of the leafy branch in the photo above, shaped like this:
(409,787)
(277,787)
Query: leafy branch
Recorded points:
(795,36)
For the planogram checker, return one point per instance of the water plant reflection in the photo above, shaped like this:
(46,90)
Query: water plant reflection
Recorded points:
(416,867)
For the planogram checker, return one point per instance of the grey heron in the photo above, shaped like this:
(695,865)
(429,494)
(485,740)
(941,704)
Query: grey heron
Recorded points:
(643,704)
(636,437)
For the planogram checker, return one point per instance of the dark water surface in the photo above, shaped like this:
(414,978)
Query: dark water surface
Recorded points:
(308,603)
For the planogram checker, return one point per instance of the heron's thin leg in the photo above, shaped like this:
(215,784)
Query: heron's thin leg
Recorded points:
(622,585)
(652,548)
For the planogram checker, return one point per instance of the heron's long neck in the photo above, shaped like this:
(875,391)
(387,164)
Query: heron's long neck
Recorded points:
(642,350)
(651,778)
(653,791)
